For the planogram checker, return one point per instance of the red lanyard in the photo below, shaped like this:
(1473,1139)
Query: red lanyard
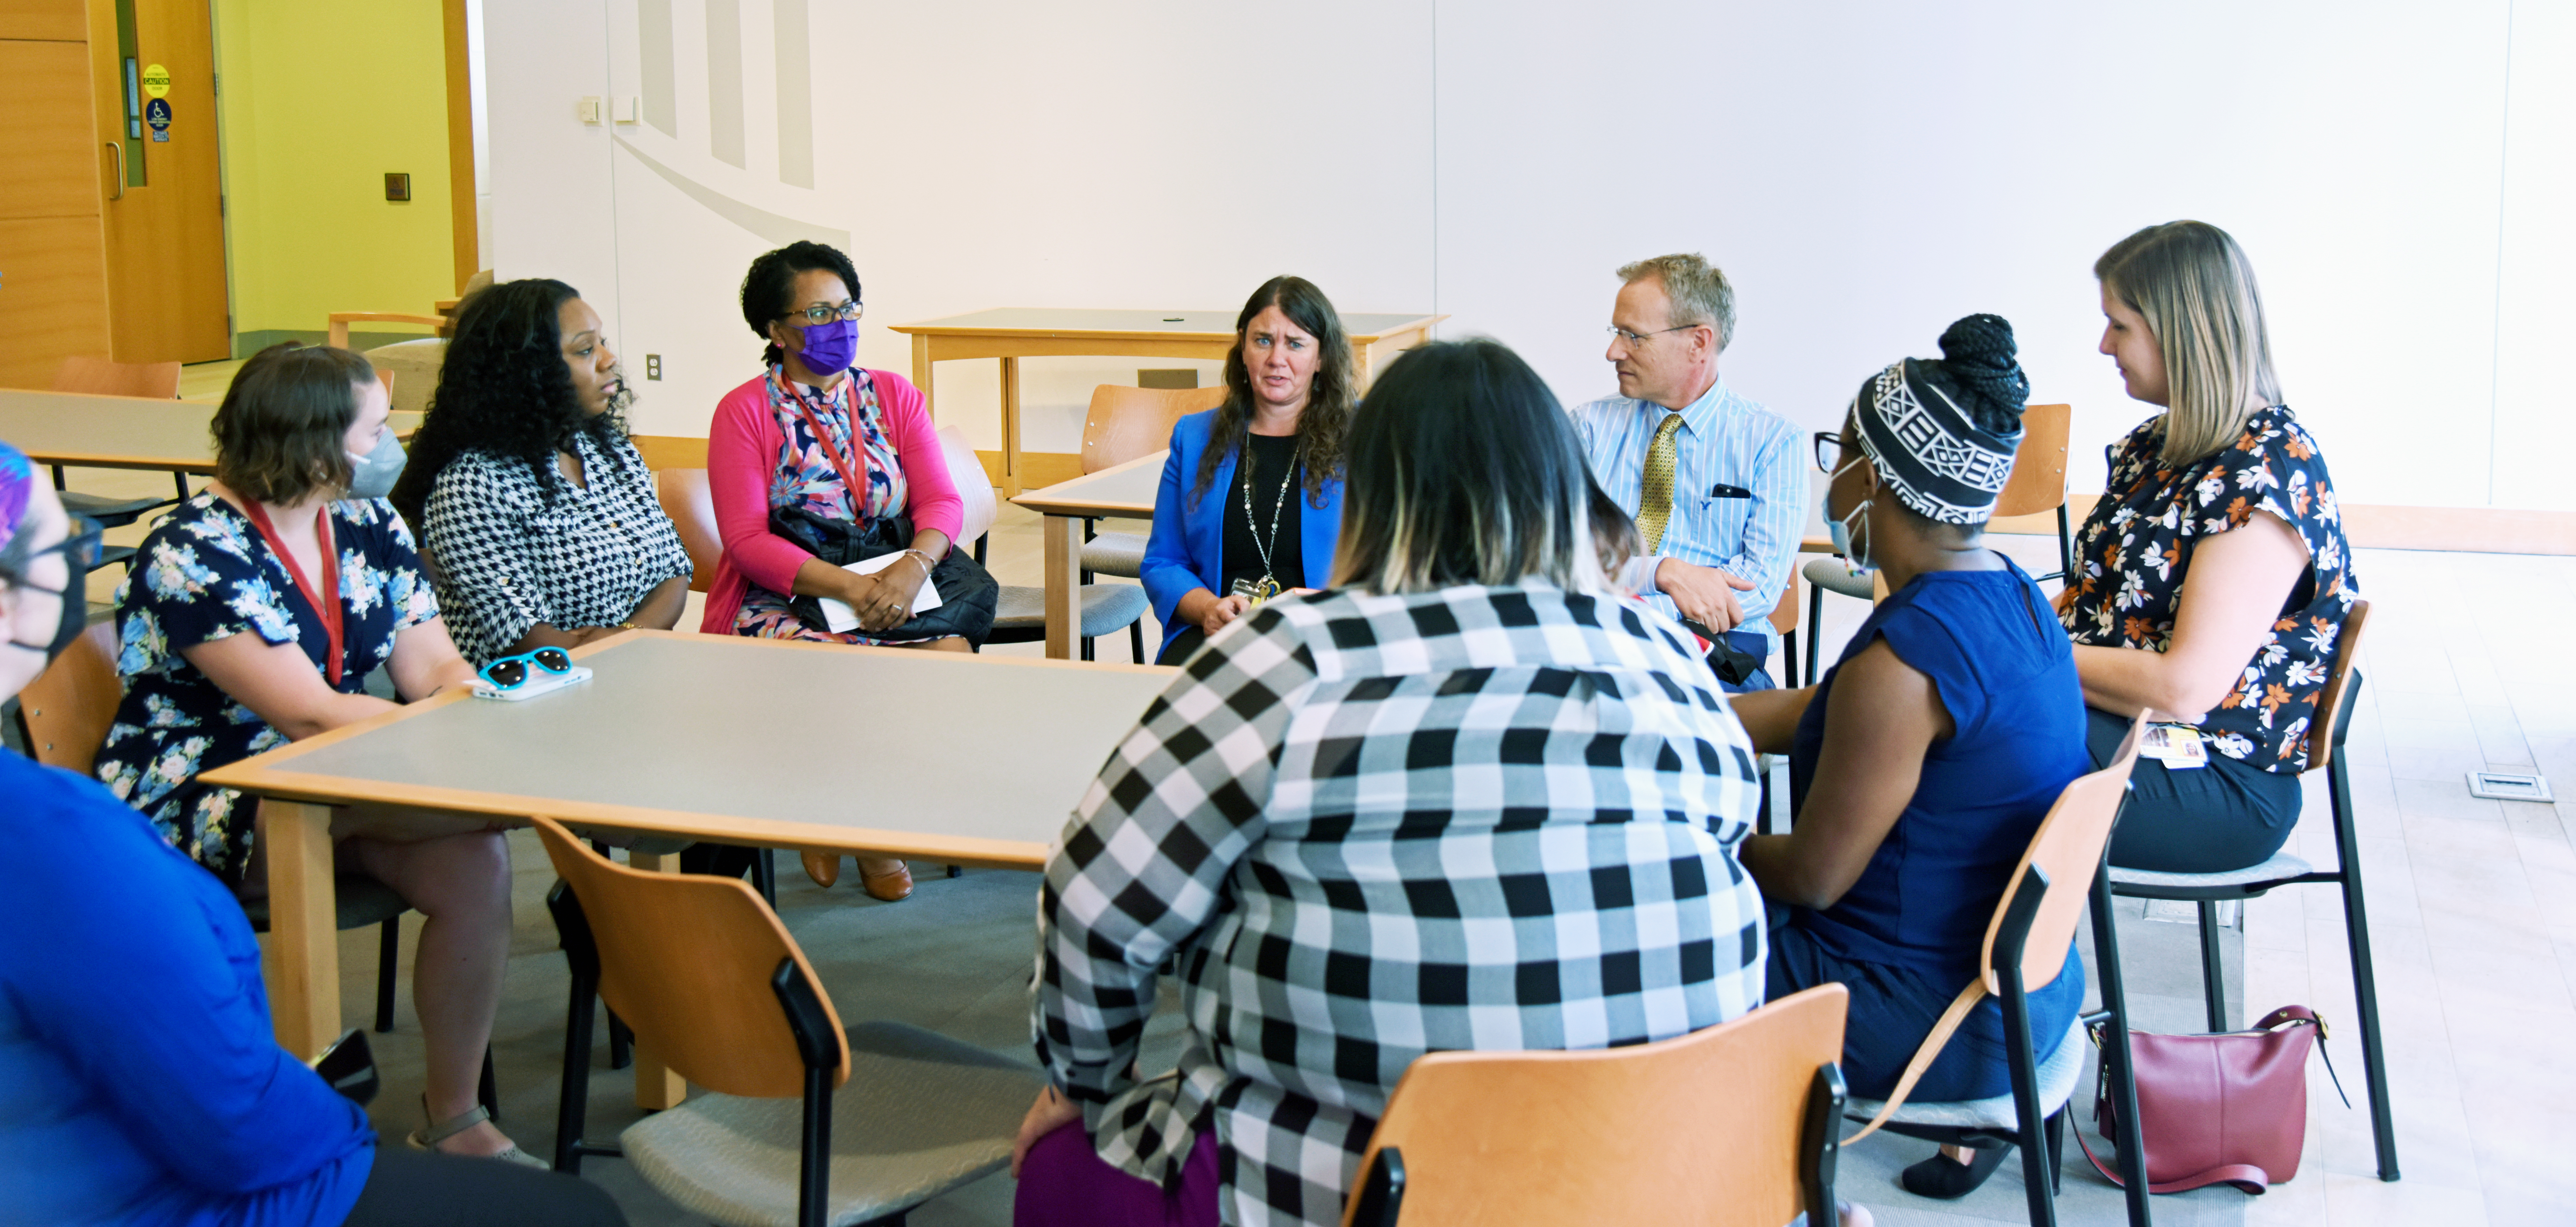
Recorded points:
(858,490)
(328,611)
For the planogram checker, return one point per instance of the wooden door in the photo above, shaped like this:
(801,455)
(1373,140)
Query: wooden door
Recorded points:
(53,275)
(166,295)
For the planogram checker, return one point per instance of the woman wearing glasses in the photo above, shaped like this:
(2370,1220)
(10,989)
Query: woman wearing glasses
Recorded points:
(816,464)
(252,617)
(535,508)
(1228,532)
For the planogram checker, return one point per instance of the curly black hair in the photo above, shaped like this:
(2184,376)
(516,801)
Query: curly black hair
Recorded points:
(772,279)
(504,389)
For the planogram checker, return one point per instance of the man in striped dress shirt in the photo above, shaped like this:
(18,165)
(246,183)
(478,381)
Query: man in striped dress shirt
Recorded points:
(1717,483)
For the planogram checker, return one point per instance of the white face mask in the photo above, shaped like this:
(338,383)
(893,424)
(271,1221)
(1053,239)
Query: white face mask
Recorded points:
(1841,529)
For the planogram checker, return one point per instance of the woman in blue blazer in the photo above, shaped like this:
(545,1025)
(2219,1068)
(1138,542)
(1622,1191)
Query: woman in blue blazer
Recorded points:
(1227,534)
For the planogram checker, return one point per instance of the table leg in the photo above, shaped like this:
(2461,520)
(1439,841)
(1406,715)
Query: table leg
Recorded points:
(303,966)
(1063,586)
(656,1087)
(1011,473)
(921,361)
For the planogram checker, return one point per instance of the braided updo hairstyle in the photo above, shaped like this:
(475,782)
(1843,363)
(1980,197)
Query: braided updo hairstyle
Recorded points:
(1978,368)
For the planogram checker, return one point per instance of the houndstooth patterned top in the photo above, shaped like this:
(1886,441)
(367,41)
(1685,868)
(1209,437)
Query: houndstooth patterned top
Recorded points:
(507,559)
(1366,827)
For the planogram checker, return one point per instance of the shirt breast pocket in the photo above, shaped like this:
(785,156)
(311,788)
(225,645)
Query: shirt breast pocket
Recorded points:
(1721,524)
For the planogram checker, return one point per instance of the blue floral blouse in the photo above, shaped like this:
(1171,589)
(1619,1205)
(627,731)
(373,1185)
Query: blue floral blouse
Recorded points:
(2136,547)
(203,574)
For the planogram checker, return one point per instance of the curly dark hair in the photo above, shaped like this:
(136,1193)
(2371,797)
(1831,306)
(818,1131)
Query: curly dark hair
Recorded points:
(1325,422)
(504,389)
(282,431)
(772,280)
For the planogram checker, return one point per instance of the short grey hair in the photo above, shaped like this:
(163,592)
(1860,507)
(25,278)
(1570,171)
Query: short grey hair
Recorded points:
(1700,294)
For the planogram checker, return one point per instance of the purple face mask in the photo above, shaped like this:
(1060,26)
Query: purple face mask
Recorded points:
(829,348)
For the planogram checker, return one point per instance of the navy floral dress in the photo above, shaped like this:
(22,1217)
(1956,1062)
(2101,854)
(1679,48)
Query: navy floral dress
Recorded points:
(204,574)
(2136,547)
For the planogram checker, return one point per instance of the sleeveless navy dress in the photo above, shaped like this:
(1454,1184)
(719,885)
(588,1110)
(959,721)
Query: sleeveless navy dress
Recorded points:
(1904,940)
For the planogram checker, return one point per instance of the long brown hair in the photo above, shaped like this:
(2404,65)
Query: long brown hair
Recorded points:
(1325,423)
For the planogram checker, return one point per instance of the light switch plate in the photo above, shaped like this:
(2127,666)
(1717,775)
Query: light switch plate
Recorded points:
(588,108)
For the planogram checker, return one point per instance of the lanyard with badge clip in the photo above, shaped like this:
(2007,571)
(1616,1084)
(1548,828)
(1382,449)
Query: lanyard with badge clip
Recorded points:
(858,490)
(328,611)
(1268,586)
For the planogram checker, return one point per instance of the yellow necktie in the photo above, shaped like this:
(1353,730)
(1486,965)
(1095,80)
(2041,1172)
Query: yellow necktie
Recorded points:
(1655,502)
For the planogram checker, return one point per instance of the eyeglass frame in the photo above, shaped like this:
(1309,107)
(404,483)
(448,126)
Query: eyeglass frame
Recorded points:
(849,312)
(81,548)
(1635,339)
(1827,462)
(533,657)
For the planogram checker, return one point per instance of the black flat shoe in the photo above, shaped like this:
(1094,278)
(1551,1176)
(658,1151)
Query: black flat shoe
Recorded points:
(1948,1179)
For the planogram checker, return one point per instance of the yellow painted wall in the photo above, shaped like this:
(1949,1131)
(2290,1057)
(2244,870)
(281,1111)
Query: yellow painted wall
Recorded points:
(320,99)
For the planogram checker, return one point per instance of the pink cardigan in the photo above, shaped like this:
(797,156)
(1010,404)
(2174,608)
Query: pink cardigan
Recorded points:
(742,453)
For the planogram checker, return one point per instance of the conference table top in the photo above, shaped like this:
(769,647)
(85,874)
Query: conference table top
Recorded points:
(970,759)
(1076,322)
(120,432)
(1126,490)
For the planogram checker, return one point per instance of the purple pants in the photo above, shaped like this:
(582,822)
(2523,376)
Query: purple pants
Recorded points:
(1064,1184)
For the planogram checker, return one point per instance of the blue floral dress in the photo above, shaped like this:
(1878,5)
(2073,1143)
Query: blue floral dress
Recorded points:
(2136,548)
(806,477)
(202,575)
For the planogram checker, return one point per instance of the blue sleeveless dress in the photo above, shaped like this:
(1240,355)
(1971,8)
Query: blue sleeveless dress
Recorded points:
(1904,940)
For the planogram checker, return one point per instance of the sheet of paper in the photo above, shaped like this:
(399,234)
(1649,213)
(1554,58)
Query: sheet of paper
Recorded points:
(843,619)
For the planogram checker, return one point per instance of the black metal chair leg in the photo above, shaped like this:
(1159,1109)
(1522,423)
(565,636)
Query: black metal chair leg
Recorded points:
(2365,982)
(1136,641)
(487,1091)
(2057,1152)
(764,876)
(621,1042)
(388,964)
(1086,647)
(1815,628)
(572,1112)
(2213,975)
(2131,1157)
(2030,1136)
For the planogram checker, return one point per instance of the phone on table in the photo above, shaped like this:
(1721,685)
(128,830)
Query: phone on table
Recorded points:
(349,1065)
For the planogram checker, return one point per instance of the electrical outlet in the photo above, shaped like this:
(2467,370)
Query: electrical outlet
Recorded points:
(652,366)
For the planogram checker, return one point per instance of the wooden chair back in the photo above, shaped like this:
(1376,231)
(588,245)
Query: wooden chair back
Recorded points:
(1784,616)
(2038,480)
(671,451)
(1704,1129)
(69,706)
(691,505)
(2068,848)
(686,960)
(338,325)
(100,377)
(972,485)
(1125,423)
(2327,723)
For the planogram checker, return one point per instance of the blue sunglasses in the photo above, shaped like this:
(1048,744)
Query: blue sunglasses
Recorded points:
(512,672)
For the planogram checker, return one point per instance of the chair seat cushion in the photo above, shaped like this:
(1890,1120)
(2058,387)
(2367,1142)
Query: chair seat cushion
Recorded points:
(2235,882)
(2057,1077)
(362,901)
(415,365)
(1115,554)
(1832,575)
(920,1115)
(1105,608)
(109,512)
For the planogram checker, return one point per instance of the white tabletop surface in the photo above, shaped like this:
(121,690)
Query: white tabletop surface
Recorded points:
(1070,319)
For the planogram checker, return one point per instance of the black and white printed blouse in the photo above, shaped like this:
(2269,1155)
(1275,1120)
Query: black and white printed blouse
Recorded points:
(1369,827)
(507,559)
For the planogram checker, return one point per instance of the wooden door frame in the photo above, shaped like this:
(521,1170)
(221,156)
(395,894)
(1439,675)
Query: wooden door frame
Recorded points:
(467,232)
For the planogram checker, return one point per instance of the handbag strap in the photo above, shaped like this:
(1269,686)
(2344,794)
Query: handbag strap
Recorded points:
(2245,1176)
(1925,1054)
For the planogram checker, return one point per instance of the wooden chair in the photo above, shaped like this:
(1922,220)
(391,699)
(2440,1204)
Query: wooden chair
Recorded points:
(1020,615)
(100,377)
(711,981)
(671,451)
(63,717)
(1124,424)
(687,499)
(2036,484)
(2026,944)
(339,321)
(1732,1126)
(2325,753)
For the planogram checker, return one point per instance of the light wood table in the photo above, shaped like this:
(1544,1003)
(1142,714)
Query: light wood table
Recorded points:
(1013,333)
(749,741)
(1126,491)
(120,432)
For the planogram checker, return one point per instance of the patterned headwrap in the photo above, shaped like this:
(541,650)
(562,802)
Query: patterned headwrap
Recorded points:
(17,477)
(1942,433)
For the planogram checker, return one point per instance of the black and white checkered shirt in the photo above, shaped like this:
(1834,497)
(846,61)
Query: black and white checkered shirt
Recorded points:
(1370,827)
(507,561)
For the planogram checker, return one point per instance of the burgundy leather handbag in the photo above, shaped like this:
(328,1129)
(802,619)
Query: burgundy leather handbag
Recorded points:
(2231,1107)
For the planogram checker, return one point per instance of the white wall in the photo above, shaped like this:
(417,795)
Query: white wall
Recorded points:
(1865,172)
